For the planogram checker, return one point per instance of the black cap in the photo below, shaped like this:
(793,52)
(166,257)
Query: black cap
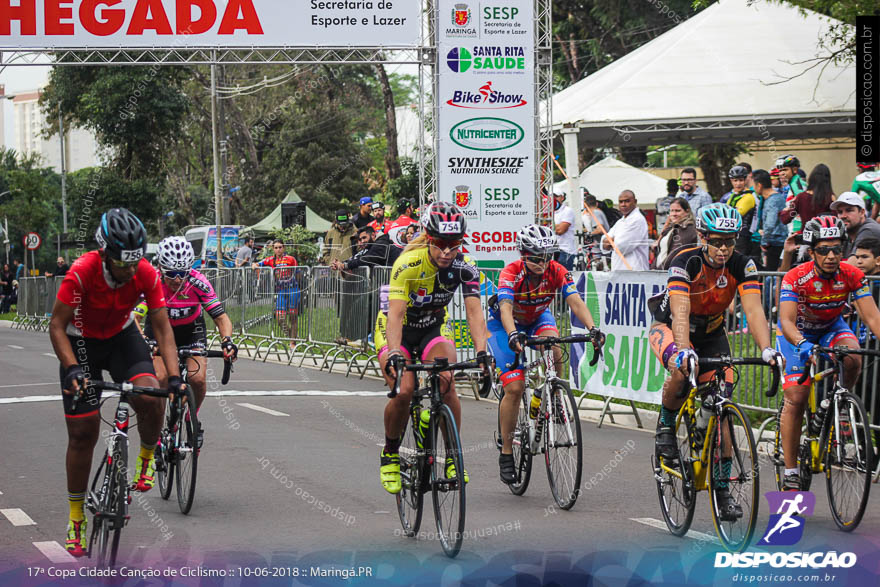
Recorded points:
(341,216)
(402,205)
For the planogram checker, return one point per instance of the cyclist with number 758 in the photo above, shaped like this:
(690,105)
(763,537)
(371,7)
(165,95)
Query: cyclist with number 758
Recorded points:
(526,288)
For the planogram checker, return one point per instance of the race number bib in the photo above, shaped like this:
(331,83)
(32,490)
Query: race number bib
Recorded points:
(829,232)
(726,224)
(450,227)
(132,256)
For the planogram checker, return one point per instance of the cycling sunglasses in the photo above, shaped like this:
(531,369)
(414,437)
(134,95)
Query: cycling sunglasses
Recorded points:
(721,242)
(537,258)
(824,250)
(124,264)
(174,274)
(447,246)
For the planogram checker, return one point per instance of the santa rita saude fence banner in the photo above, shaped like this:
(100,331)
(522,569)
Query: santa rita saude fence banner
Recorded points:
(618,302)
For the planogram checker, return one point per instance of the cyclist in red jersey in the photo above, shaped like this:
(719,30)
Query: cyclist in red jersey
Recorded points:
(520,309)
(92,330)
(286,287)
(812,297)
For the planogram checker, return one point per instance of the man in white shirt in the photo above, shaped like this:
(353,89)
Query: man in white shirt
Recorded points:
(629,236)
(563,217)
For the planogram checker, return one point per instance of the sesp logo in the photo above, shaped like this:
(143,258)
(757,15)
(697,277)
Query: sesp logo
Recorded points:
(786,526)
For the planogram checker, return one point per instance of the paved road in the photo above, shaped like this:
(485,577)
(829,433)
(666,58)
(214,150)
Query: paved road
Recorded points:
(272,462)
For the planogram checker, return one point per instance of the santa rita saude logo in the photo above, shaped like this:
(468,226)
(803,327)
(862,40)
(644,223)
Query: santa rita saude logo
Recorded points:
(510,58)
(486,98)
(487,134)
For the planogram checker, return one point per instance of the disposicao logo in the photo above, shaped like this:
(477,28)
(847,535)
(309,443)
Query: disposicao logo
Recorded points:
(786,528)
(487,134)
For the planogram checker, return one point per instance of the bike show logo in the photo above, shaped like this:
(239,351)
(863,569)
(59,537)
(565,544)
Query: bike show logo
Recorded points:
(484,58)
(486,98)
(487,134)
(462,25)
(786,528)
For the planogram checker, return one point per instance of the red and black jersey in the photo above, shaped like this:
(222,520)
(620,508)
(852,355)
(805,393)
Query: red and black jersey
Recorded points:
(820,301)
(283,277)
(102,310)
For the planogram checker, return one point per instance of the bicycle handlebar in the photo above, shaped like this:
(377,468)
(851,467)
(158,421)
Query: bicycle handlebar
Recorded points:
(126,388)
(572,339)
(185,353)
(728,361)
(838,352)
(440,365)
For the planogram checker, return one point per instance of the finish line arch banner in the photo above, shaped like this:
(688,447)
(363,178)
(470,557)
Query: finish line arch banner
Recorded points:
(182,24)
(618,302)
(486,120)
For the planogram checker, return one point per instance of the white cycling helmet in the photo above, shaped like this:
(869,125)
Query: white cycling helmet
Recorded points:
(537,240)
(176,254)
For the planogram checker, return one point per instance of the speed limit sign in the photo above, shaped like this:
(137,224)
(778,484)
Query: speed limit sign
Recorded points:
(32,241)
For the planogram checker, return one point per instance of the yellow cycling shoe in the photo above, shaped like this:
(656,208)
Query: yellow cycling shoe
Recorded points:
(76,538)
(450,470)
(144,474)
(389,471)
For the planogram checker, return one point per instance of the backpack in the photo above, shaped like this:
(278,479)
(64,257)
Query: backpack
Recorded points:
(612,214)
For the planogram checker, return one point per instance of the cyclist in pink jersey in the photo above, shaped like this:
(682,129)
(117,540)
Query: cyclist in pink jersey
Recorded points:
(187,292)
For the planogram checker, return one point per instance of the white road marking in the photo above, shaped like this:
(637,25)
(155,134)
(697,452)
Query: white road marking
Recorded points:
(16,347)
(17,517)
(28,384)
(228,393)
(273,380)
(662,526)
(53,355)
(54,552)
(261,409)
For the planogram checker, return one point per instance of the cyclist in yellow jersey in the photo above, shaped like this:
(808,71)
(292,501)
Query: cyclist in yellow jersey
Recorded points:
(423,280)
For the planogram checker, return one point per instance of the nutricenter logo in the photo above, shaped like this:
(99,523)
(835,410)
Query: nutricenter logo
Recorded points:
(487,134)
(487,58)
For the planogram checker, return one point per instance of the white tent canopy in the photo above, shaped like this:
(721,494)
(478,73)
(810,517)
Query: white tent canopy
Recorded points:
(706,80)
(609,177)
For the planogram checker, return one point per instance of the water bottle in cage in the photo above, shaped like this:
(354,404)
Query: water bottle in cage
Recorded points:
(815,426)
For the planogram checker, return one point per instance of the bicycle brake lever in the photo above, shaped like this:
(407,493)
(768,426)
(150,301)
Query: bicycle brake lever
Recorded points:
(597,352)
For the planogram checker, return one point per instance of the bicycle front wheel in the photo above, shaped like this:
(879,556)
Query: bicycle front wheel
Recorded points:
(675,482)
(120,495)
(165,455)
(411,497)
(522,454)
(740,473)
(562,439)
(187,453)
(447,483)
(848,461)
(101,500)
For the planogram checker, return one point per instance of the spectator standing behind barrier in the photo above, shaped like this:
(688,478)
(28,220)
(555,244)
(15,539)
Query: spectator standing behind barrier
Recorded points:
(340,240)
(680,231)
(850,207)
(287,291)
(563,218)
(772,232)
(363,216)
(628,236)
(696,196)
(245,254)
(406,214)
(743,199)
(867,185)
(662,205)
(354,316)
(6,279)
(814,201)
(380,224)
(18,268)
(867,258)
(61,268)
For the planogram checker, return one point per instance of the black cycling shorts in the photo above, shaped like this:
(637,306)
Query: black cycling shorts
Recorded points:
(125,356)
(188,336)
(416,342)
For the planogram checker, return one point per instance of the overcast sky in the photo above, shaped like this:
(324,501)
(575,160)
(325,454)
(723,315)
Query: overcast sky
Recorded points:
(19,79)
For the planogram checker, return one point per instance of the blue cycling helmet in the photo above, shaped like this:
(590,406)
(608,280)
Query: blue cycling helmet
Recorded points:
(719,219)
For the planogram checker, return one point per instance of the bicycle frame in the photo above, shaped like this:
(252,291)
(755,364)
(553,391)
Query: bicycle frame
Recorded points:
(120,429)
(547,409)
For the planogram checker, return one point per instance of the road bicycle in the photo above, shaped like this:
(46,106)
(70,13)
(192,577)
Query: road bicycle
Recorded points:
(839,446)
(697,465)
(177,451)
(427,445)
(556,431)
(109,495)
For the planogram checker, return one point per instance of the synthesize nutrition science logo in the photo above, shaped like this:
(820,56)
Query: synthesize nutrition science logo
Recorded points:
(786,528)
(486,98)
